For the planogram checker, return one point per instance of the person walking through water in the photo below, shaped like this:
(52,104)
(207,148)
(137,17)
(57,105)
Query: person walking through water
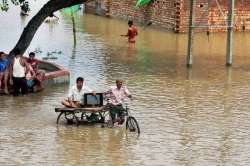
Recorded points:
(18,69)
(132,32)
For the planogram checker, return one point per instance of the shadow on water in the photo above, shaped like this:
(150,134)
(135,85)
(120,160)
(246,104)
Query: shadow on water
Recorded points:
(111,142)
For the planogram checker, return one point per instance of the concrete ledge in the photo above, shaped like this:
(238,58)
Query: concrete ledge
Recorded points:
(59,75)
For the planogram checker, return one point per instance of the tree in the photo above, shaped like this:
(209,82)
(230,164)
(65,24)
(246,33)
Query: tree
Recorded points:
(32,26)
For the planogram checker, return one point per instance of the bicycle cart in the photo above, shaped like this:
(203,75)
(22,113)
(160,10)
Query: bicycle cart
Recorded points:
(94,112)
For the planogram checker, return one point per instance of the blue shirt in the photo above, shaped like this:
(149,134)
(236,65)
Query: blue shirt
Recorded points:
(3,64)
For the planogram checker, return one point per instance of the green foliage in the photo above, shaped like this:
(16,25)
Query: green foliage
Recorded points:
(24,4)
(142,2)
(4,5)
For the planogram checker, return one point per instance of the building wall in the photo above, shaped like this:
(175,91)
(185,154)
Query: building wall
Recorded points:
(98,7)
(159,13)
(173,15)
(216,17)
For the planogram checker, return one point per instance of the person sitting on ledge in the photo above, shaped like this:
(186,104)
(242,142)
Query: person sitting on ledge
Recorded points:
(76,94)
(33,62)
(35,80)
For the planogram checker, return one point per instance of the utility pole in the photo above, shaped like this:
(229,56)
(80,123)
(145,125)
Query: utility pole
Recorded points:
(191,32)
(230,32)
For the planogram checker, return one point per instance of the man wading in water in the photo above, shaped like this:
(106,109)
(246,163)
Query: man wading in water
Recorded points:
(18,69)
(132,32)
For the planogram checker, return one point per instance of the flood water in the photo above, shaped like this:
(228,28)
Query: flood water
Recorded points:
(197,116)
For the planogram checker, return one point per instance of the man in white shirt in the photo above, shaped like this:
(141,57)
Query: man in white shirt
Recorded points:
(76,94)
(116,95)
(18,69)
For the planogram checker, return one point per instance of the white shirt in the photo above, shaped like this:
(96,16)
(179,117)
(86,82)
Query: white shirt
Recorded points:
(77,95)
(18,69)
(116,96)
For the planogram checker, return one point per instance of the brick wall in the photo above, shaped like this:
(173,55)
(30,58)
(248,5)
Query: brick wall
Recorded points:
(173,15)
(216,17)
(159,13)
(98,7)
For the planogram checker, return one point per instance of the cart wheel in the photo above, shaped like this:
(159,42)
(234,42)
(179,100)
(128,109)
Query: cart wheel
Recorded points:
(77,120)
(101,118)
(110,124)
(132,125)
(58,118)
(69,116)
(83,115)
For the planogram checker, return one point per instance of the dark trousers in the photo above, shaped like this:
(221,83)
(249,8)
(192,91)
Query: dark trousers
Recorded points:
(19,85)
(116,110)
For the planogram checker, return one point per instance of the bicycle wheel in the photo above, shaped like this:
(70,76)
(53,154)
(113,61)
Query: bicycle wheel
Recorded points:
(132,125)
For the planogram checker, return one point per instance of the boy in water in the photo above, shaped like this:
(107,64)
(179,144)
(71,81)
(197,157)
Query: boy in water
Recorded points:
(132,32)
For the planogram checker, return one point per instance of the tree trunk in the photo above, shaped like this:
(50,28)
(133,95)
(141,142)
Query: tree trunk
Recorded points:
(31,28)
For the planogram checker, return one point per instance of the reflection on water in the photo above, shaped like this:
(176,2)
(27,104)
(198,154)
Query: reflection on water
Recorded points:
(195,116)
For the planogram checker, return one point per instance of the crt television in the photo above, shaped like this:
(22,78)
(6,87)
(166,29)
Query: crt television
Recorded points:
(91,100)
